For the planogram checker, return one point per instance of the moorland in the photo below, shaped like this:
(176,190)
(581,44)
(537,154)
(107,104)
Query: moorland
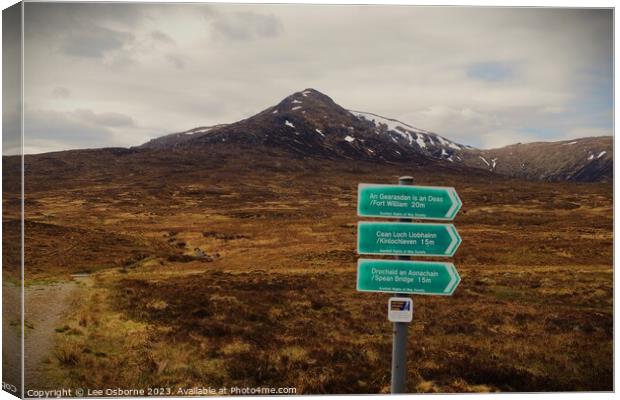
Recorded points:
(237,268)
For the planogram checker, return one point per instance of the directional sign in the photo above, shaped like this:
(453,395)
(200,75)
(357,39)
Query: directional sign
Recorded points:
(417,277)
(403,201)
(407,239)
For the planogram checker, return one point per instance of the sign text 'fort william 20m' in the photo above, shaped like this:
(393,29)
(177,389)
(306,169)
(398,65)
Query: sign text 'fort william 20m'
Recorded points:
(400,201)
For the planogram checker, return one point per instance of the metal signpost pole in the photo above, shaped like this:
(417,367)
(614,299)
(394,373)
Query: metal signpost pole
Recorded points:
(399,340)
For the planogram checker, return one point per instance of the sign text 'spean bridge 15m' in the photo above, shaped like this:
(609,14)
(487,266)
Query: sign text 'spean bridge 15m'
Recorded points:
(415,277)
(403,201)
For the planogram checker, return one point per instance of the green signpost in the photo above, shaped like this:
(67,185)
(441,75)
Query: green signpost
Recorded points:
(416,277)
(404,239)
(404,201)
(411,239)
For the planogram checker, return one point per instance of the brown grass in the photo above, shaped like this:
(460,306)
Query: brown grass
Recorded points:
(278,307)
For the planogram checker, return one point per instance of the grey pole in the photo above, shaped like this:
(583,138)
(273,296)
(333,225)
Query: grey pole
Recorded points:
(399,339)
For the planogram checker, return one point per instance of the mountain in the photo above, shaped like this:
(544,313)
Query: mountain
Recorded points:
(586,160)
(309,123)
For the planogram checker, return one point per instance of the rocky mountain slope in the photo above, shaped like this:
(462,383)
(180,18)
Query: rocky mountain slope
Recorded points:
(173,139)
(309,123)
(586,159)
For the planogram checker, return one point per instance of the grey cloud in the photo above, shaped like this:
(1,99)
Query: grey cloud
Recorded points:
(176,61)
(73,129)
(61,92)
(89,30)
(11,132)
(66,128)
(51,17)
(161,37)
(95,41)
(11,80)
(491,71)
(480,76)
(246,25)
(109,119)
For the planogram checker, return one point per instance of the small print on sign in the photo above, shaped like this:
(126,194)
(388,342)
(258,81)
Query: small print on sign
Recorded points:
(400,309)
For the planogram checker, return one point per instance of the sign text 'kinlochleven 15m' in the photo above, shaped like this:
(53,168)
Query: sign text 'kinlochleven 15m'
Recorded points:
(405,238)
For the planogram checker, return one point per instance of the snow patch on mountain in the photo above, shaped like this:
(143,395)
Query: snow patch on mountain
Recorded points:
(448,143)
(195,131)
(409,133)
(390,123)
(406,135)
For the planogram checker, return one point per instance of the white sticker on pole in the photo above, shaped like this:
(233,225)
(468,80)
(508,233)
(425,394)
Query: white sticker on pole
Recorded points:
(400,309)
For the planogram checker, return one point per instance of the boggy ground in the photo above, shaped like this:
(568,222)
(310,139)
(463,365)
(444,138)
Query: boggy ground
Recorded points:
(274,302)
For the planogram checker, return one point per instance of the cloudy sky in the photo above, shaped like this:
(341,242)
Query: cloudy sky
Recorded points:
(119,74)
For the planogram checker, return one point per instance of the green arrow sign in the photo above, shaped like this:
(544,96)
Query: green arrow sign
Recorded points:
(402,201)
(407,239)
(417,277)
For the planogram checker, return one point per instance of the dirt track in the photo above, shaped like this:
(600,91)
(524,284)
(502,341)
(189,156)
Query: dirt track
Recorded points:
(46,307)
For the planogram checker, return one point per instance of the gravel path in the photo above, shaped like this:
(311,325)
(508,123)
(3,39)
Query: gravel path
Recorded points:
(46,307)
